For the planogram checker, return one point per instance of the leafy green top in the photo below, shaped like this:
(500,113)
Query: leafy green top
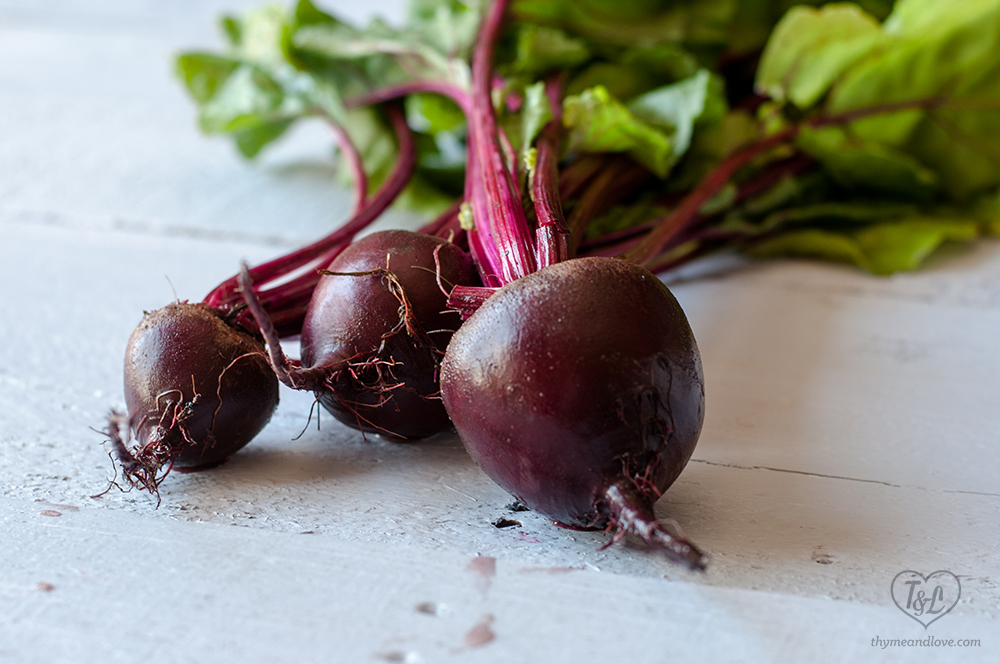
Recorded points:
(896,141)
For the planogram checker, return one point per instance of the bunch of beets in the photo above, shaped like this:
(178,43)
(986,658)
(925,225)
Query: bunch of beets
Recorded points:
(566,366)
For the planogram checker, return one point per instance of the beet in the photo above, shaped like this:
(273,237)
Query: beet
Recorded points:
(579,389)
(197,391)
(375,332)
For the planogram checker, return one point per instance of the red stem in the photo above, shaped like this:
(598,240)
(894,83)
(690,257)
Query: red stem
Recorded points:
(226,295)
(504,223)
(617,242)
(380,95)
(353,158)
(551,234)
(686,213)
(485,253)
(467,299)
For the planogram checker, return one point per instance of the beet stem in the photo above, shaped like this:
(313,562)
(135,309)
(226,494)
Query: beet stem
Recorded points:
(467,299)
(224,294)
(552,238)
(353,158)
(286,372)
(443,221)
(687,212)
(611,185)
(632,513)
(388,93)
(496,205)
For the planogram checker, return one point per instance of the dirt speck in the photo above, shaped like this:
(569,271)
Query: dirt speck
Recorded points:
(480,634)
(506,523)
(45,587)
(431,608)
(822,557)
(397,656)
(518,506)
(485,566)
(50,513)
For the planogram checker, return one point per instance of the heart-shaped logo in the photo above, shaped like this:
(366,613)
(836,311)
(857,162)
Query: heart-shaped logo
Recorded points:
(926,598)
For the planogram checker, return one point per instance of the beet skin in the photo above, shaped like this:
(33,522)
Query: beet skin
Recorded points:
(579,390)
(197,389)
(377,330)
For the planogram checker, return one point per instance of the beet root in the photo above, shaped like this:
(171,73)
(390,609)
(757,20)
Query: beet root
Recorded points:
(197,391)
(579,390)
(377,328)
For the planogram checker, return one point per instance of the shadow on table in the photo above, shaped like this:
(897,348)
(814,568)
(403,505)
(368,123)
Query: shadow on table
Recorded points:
(335,455)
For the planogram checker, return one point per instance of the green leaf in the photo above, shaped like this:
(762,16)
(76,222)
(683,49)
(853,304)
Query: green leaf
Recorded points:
(450,26)
(422,196)
(907,244)
(251,140)
(380,54)
(934,53)
(986,210)
(248,97)
(811,48)
(754,20)
(535,113)
(868,166)
(620,80)
(922,17)
(231,30)
(431,113)
(262,33)
(850,214)
(668,60)
(882,248)
(622,217)
(712,143)
(540,49)
(681,105)
(631,22)
(306,13)
(204,73)
(597,122)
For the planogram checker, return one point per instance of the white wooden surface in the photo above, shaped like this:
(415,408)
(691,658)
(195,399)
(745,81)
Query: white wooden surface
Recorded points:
(852,427)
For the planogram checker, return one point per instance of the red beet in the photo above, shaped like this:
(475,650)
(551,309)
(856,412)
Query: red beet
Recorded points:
(197,390)
(579,389)
(376,330)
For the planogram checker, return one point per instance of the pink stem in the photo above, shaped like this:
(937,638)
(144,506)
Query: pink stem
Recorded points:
(353,158)
(227,294)
(552,235)
(686,213)
(497,208)
(380,95)
(485,253)
(467,299)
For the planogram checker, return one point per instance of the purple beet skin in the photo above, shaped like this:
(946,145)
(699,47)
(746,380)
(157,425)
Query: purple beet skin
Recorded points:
(579,390)
(377,328)
(197,390)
